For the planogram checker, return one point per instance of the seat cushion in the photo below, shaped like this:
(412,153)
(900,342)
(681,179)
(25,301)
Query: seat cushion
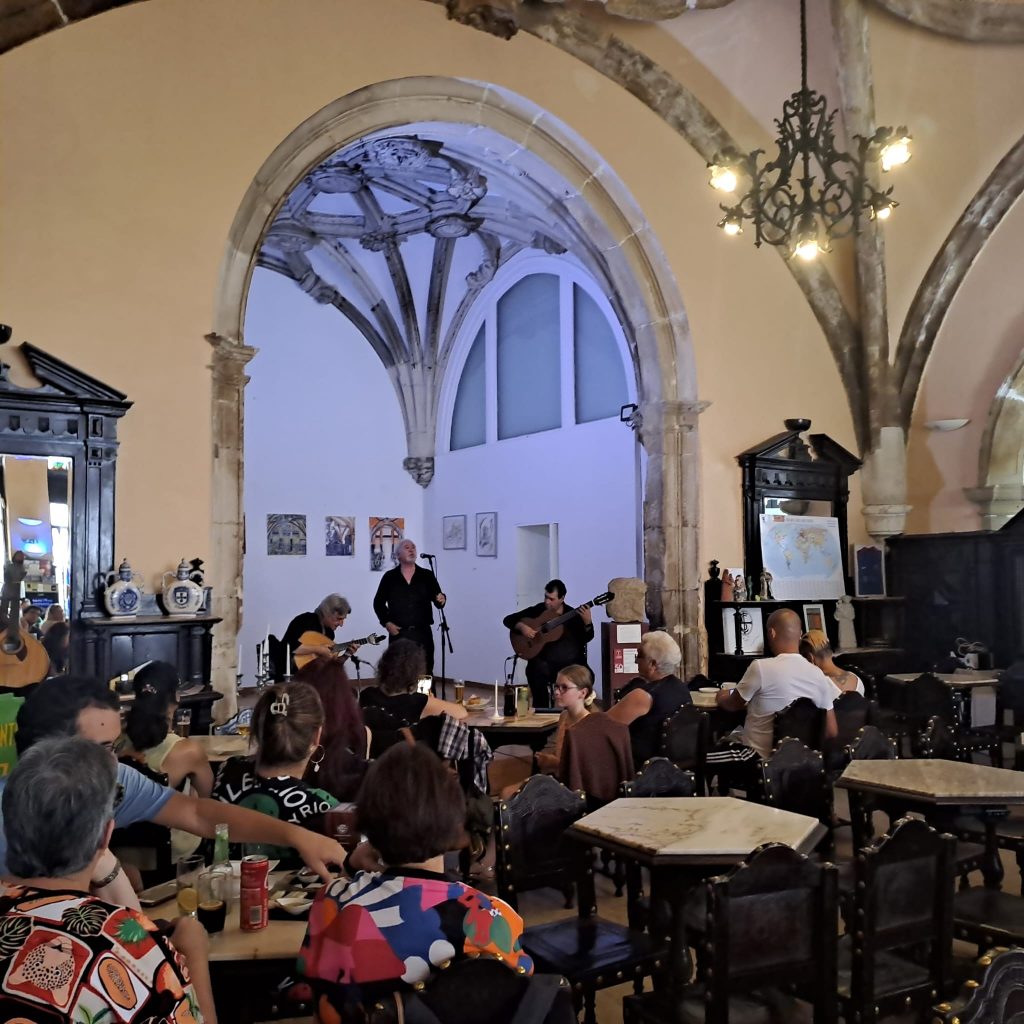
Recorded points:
(589,949)
(893,973)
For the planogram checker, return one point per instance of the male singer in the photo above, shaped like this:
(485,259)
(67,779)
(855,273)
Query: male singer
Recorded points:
(404,599)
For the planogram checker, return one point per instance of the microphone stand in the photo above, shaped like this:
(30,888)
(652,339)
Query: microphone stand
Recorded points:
(446,639)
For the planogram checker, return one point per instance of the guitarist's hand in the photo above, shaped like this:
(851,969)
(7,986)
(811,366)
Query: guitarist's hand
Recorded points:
(528,631)
(586,616)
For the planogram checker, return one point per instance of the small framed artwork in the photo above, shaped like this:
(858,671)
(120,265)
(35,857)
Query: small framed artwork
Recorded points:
(286,534)
(453,533)
(487,534)
(814,617)
(869,570)
(339,535)
(386,533)
(751,630)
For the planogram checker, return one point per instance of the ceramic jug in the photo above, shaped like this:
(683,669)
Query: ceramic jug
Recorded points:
(123,593)
(182,595)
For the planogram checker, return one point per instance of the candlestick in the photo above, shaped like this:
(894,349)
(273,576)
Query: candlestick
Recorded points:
(497,715)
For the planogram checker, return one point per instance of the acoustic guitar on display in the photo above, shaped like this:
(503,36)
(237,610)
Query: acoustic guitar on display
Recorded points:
(550,627)
(23,659)
(319,640)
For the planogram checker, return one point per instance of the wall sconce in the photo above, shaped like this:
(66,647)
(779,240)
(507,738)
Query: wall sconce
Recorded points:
(945,425)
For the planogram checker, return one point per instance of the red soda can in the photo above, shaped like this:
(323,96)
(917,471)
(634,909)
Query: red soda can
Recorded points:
(252,895)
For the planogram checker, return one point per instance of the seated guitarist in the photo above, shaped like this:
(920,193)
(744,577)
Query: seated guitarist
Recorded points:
(569,649)
(330,615)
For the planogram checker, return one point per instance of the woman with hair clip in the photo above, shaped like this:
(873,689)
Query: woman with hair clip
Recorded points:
(345,739)
(287,724)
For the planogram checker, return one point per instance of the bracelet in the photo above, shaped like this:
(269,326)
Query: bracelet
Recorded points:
(107,879)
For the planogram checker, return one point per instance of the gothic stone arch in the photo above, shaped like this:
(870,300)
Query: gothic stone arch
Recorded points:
(656,326)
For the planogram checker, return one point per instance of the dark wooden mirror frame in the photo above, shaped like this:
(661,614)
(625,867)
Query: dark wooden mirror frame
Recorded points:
(73,416)
(785,466)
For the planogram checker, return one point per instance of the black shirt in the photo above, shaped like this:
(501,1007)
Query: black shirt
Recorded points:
(403,708)
(406,604)
(568,649)
(667,695)
(306,622)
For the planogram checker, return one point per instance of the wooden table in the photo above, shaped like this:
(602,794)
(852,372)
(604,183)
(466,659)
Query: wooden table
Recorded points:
(957,680)
(683,840)
(924,785)
(530,730)
(980,687)
(220,748)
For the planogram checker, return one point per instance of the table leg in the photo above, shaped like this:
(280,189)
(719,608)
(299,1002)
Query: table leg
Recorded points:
(669,890)
(992,867)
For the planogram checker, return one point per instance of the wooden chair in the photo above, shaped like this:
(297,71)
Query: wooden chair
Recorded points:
(802,720)
(997,997)
(597,758)
(533,852)
(794,780)
(684,741)
(903,897)
(147,836)
(776,892)
(988,917)
(531,849)
(870,744)
(660,777)
(852,711)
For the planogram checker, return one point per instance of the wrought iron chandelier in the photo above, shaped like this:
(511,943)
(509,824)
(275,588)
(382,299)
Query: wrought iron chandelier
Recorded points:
(811,192)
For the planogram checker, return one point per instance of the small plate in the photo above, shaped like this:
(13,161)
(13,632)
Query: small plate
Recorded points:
(708,689)
(475,702)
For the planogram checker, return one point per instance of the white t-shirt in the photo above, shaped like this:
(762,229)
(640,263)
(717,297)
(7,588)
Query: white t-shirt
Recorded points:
(769,685)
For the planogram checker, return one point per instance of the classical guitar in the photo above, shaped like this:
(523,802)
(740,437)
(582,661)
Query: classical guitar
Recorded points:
(549,628)
(23,659)
(312,639)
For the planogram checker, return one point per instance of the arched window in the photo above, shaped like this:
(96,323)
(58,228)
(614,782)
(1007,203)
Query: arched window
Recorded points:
(543,330)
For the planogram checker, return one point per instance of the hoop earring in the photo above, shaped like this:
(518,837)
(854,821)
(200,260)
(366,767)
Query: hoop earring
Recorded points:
(316,764)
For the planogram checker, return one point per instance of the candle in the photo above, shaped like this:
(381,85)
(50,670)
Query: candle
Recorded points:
(495,696)
(239,657)
(288,660)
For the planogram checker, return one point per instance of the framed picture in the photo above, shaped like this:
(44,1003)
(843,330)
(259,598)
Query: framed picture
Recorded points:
(487,534)
(286,534)
(814,617)
(869,570)
(453,533)
(339,535)
(386,532)
(751,630)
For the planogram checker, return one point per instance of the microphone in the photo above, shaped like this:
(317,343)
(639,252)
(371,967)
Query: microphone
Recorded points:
(425,555)
(355,660)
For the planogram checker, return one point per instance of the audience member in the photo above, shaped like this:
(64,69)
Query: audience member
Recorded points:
(345,739)
(57,640)
(54,615)
(658,694)
(74,956)
(382,931)
(815,647)
(287,723)
(399,668)
(87,707)
(574,694)
(30,616)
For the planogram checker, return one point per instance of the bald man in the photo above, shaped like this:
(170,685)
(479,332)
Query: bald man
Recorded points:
(768,686)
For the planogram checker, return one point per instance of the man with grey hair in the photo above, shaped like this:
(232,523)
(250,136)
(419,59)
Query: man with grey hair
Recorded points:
(329,616)
(658,694)
(74,956)
(405,600)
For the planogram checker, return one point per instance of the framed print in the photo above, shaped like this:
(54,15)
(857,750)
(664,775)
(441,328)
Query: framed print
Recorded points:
(453,533)
(385,534)
(814,617)
(286,534)
(869,570)
(487,534)
(339,535)
(751,630)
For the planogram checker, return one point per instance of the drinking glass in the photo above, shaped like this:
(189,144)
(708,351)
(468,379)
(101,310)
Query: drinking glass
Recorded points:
(187,876)
(183,721)
(460,690)
(340,824)
(214,889)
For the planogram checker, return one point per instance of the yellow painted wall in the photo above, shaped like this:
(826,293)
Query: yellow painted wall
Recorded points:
(129,140)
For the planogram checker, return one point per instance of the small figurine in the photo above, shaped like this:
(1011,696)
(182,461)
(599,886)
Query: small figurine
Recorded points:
(727,586)
(739,588)
(10,597)
(766,586)
(844,615)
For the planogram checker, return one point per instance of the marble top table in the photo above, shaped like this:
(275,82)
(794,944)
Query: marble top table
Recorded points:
(705,701)
(693,830)
(958,680)
(942,783)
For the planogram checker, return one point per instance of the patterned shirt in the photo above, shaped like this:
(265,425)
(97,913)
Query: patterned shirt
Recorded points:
(377,931)
(68,958)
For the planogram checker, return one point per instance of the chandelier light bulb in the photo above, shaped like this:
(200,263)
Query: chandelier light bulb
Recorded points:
(883,213)
(896,153)
(723,179)
(731,226)
(806,249)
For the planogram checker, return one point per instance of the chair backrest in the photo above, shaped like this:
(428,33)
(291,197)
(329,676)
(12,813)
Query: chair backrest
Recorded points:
(794,780)
(936,740)
(903,898)
(928,696)
(532,849)
(1010,693)
(660,777)
(776,892)
(997,997)
(802,720)
(597,758)
(871,744)
(684,741)
(852,711)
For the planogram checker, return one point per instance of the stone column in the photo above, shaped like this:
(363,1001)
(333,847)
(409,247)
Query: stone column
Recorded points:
(230,357)
(998,503)
(668,432)
(884,485)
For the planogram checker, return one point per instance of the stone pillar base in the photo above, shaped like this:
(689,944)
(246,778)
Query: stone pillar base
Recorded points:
(885,520)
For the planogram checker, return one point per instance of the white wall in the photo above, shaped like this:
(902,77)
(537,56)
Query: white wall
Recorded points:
(323,436)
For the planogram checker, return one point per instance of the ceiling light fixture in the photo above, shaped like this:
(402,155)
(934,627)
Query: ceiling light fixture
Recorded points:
(811,192)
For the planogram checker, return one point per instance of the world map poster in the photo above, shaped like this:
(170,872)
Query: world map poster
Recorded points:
(803,555)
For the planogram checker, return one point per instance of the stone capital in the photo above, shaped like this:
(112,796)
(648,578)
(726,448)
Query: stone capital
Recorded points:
(884,521)
(230,358)
(997,503)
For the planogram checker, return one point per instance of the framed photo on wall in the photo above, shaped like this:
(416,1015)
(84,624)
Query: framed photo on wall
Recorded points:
(869,570)
(814,617)
(453,533)
(487,534)
(286,534)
